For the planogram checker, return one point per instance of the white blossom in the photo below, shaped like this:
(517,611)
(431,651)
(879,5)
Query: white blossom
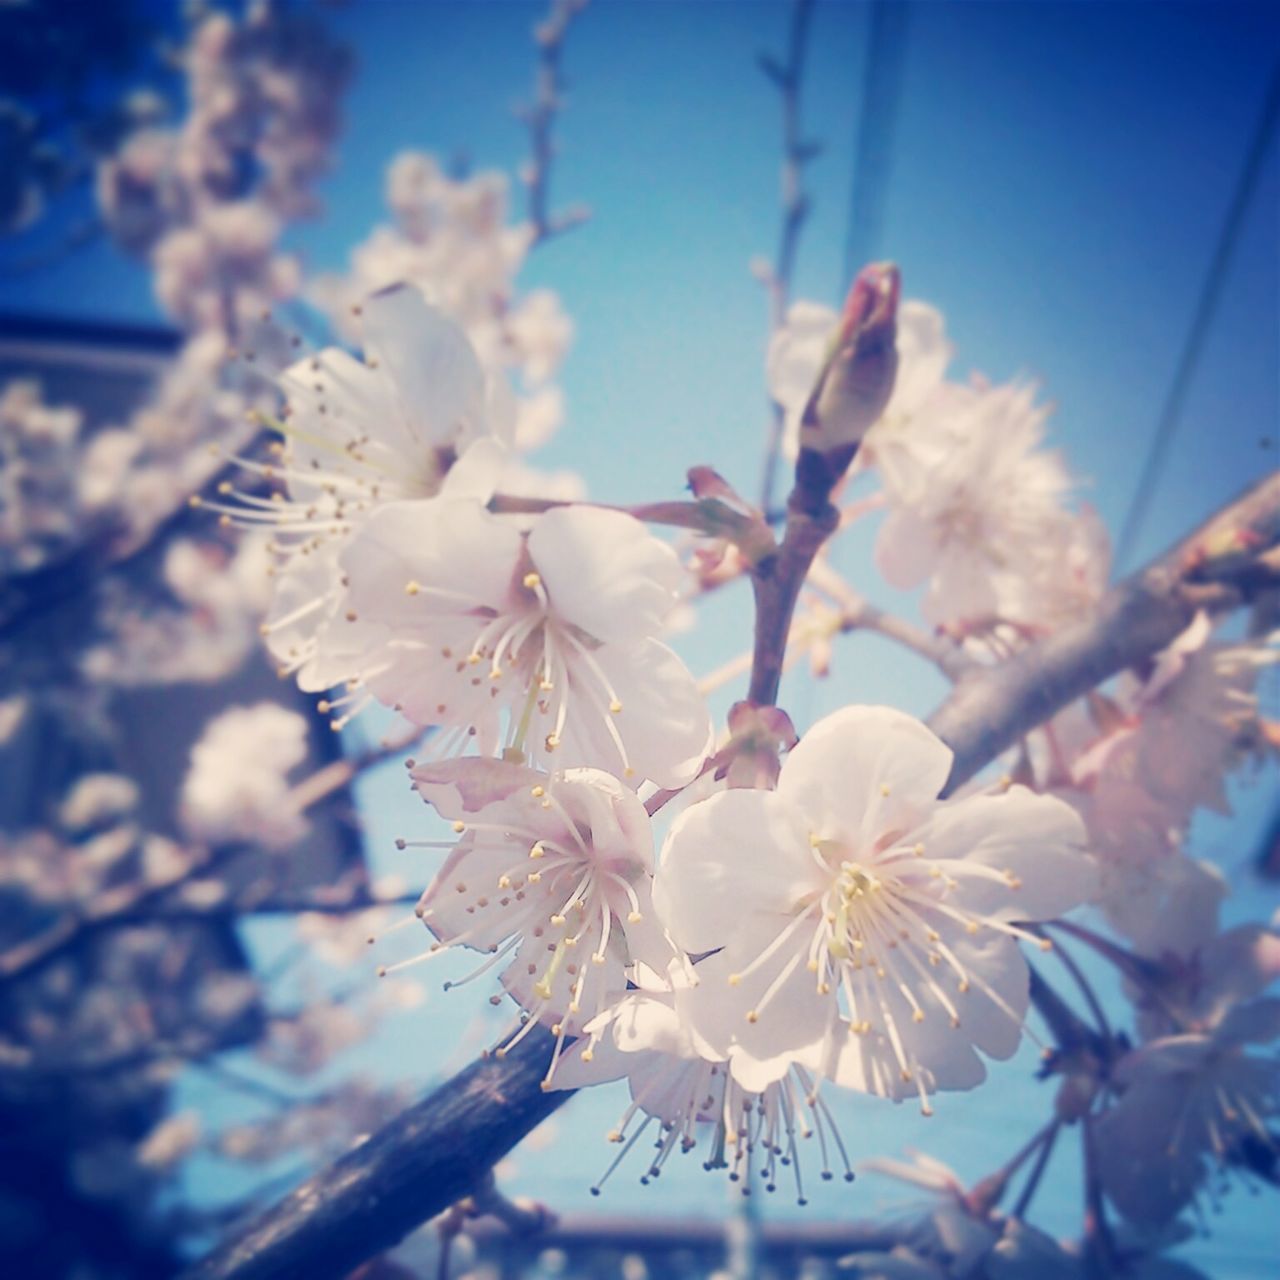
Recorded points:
(458,618)
(860,926)
(237,787)
(551,873)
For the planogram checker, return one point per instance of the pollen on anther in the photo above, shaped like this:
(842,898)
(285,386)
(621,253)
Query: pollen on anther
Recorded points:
(752,1016)
(532,580)
(459,827)
(412,588)
(538,792)
(734,979)
(634,917)
(615,706)
(884,788)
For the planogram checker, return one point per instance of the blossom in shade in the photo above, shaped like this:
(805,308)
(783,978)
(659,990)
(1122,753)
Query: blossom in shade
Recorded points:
(550,873)
(1192,1105)
(541,642)
(860,926)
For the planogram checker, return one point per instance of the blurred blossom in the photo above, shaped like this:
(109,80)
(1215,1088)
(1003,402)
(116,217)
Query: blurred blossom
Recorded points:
(237,787)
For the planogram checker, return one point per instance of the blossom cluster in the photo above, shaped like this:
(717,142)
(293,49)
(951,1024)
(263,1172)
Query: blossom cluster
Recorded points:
(832,924)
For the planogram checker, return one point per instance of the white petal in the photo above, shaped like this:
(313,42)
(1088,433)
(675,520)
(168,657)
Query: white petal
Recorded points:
(906,548)
(664,723)
(605,572)
(734,866)
(438,381)
(458,556)
(1039,839)
(863,773)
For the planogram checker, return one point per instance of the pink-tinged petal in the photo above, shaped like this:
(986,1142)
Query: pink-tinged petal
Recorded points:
(415,560)
(438,381)
(620,829)
(1038,840)
(452,913)
(733,868)
(455,788)
(907,548)
(604,572)
(865,773)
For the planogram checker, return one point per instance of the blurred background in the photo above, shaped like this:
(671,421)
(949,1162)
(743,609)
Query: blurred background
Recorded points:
(191,860)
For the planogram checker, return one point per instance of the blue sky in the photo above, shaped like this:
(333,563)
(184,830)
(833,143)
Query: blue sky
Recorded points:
(1059,175)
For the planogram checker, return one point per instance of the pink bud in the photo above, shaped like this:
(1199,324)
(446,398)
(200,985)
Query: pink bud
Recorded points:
(857,380)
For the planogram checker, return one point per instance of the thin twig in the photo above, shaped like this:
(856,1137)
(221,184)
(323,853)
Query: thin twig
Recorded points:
(540,117)
(796,153)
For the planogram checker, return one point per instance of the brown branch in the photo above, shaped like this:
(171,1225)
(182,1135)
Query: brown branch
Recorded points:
(428,1158)
(437,1151)
(540,117)
(990,709)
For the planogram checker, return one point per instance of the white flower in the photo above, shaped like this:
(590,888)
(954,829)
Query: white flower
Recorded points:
(552,871)
(456,617)
(863,928)
(644,1037)
(417,419)
(237,786)
(977,509)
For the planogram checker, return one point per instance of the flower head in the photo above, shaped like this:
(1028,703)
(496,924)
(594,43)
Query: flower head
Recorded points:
(459,618)
(550,873)
(860,927)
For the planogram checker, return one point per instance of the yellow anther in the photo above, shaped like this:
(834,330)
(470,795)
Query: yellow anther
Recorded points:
(752,1016)
(504,882)
(918,1016)
(918,850)
(615,706)
(535,877)
(634,918)
(412,588)
(557,920)
(587,1055)
(532,580)
(734,979)
(884,788)
(459,827)
(538,851)
(538,792)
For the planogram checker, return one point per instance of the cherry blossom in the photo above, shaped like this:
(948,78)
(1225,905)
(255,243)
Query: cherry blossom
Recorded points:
(551,873)
(860,925)
(237,787)
(1196,1099)
(645,1037)
(458,618)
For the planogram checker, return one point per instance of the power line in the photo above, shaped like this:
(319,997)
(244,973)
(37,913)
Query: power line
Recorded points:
(873,147)
(1210,293)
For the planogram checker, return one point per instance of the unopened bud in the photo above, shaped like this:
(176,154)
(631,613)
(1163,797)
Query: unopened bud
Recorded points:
(857,377)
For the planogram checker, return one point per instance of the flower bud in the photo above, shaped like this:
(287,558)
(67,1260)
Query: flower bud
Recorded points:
(857,377)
